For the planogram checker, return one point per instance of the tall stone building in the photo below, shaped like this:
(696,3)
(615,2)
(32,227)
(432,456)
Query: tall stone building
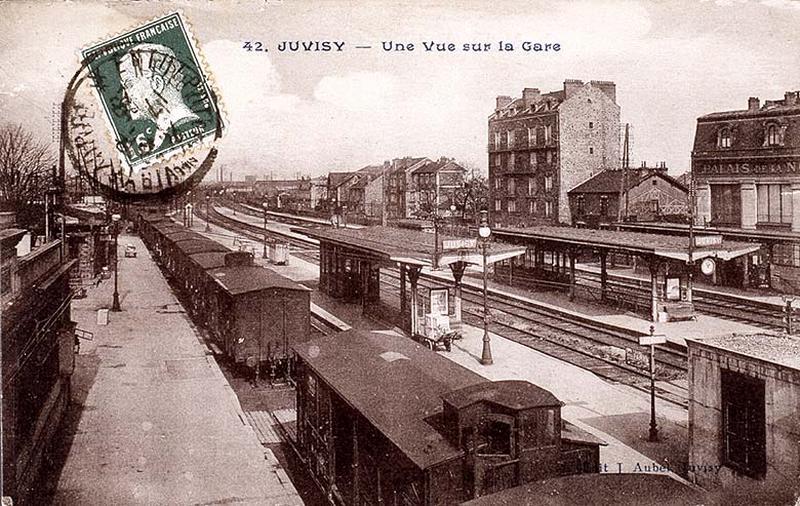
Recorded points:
(543,145)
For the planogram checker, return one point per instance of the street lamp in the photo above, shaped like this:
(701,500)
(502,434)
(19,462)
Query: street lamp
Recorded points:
(208,215)
(484,232)
(234,202)
(115,303)
(264,205)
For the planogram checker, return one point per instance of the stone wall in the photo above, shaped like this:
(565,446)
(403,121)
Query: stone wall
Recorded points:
(588,141)
(782,403)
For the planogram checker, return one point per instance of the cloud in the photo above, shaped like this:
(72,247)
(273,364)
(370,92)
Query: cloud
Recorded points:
(356,91)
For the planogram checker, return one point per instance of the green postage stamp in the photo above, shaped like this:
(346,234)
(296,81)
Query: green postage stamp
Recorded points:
(153,91)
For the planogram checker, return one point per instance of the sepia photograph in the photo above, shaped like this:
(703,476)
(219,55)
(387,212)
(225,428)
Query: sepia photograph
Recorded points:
(400,253)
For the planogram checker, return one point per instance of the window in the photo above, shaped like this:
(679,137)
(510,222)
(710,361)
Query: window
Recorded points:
(743,423)
(497,139)
(532,207)
(499,438)
(591,124)
(726,205)
(512,206)
(603,206)
(724,139)
(511,186)
(580,204)
(773,135)
(548,183)
(511,161)
(533,160)
(510,138)
(531,186)
(497,183)
(498,205)
(549,158)
(504,160)
(786,254)
(548,208)
(591,150)
(532,136)
(774,203)
(548,133)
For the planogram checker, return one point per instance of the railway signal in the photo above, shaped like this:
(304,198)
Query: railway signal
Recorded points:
(652,340)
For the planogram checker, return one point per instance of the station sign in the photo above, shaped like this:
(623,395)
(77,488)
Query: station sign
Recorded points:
(459,244)
(651,340)
(701,241)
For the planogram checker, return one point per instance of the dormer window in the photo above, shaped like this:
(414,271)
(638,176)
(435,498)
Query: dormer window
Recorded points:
(724,138)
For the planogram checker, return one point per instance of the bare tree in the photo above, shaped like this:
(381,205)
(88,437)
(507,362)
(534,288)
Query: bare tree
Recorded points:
(25,165)
(473,197)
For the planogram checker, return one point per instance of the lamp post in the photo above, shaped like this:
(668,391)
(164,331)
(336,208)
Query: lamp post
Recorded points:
(264,205)
(115,302)
(234,202)
(208,216)
(484,232)
(787,309)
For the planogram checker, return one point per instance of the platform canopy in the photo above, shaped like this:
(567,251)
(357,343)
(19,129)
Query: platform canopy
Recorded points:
(668,246)
(413,247)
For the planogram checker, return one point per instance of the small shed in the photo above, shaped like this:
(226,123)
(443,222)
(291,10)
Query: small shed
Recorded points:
(744,414)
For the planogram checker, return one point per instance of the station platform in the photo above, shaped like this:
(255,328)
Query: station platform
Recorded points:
(617,414)
(159,422)
(676,331)
(308,219)
(765,296)
(272,226)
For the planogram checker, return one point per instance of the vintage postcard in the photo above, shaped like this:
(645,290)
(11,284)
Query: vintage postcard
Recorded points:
(397,252)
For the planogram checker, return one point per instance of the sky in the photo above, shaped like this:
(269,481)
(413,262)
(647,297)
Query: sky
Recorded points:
(309,113)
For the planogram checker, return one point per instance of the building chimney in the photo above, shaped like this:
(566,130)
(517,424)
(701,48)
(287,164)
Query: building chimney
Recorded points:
(530,96)
(753,104)
(607,87)
(790,98)
(502,102)
(571,86)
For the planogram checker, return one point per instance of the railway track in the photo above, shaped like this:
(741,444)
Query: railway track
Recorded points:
(756,313)
(608,352)
(752,312)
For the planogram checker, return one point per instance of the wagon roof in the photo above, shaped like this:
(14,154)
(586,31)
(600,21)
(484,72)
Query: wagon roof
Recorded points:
(244,279)
(185,235)
(209,259)
(512,394)
(396,383)
(201,245)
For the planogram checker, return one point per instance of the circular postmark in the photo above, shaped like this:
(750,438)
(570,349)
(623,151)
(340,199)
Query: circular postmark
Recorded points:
(139,118)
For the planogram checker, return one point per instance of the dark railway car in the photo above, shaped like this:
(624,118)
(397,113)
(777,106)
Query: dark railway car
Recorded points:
(383,420)
(259,315)
(255,314)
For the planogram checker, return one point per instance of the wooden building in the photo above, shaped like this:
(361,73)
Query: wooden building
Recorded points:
(408,426)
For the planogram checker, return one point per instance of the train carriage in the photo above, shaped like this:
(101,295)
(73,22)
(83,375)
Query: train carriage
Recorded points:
(255,314)
(260,315)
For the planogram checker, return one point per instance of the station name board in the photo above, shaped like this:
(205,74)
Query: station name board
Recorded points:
(757,168)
